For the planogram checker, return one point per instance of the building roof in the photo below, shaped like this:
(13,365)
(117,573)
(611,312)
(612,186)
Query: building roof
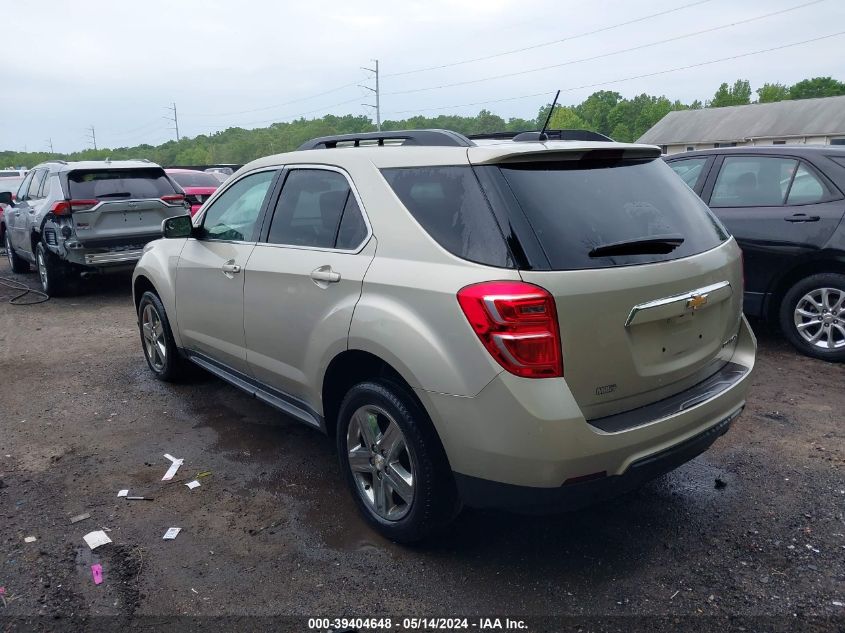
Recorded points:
(810,117)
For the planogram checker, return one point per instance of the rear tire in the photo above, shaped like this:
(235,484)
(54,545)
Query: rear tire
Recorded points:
(157,340)
(812,316)
(393,462)
(18,265)
(53,272)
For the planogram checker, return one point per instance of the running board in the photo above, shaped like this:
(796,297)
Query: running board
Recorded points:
(276,399)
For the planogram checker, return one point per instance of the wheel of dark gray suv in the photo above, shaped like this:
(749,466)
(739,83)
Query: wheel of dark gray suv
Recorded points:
(812,316)
(18,265)
(393,462)
(157,339)
(53,272)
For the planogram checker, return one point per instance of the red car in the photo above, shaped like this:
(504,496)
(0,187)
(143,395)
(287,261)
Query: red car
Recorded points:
(197,185)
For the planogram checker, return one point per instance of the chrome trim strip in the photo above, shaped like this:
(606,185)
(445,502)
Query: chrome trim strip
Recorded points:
(114,257)
(674,299)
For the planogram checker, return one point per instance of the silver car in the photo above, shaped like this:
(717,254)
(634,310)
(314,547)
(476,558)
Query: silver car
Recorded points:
(523,324)
(85,217)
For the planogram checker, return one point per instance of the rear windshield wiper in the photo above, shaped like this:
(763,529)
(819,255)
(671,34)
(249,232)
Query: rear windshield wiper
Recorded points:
(652,245)
(116,194)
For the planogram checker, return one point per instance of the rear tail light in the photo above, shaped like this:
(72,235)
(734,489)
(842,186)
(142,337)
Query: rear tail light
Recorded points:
(66,207)
(174,198)
(517,323)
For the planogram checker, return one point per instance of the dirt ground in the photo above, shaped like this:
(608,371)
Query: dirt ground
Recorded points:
(273,532)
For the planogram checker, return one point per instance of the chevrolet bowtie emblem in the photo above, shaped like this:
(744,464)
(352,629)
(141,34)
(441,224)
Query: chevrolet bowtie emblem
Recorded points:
(696,301)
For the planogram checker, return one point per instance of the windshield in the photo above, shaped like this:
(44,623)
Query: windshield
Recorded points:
(194,179)
(119,184)
(579,208)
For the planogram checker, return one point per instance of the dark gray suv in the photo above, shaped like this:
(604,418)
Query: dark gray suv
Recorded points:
(93,216)
(784,204)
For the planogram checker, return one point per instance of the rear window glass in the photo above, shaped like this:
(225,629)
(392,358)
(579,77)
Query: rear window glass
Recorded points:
(9,174)
(119,184)
(577,207)
(195,179)
(449,204)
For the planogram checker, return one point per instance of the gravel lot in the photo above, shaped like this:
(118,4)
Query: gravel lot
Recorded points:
(273,532)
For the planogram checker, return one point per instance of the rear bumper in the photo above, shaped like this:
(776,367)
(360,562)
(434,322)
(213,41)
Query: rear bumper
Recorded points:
(528,434)
(483,493)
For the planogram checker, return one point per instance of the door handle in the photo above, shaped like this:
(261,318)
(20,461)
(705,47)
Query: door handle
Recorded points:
(325,274)
(802,217)
(230,268)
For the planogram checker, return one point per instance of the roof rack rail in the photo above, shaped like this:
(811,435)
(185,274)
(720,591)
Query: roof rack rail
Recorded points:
(431,138)
(551,135)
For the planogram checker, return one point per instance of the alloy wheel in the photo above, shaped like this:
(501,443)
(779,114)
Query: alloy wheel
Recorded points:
(382,465)
(42,270)
(819,318)
(155,344)
(9,250)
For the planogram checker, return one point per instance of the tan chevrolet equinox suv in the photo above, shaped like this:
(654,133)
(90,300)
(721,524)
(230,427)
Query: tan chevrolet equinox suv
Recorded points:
(525,323)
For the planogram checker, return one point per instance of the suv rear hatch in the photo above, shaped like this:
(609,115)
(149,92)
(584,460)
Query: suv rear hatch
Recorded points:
(647,283)
(120,206)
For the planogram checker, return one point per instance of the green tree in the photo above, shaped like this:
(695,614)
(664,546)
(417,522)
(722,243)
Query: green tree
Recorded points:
(595,109)
(769,93)
(817,87)
(738,94)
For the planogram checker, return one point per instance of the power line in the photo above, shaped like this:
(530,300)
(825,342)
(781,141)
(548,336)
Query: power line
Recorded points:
(623,79)
(603,55)
(543,44)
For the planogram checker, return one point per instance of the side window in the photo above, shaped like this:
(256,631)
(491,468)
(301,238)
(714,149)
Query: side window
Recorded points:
(806,188)
(44,190)
(309,209)
(753,181)
(352,229)
(449,204)
(233,215)
(689,169)
(21,195)
(35,185)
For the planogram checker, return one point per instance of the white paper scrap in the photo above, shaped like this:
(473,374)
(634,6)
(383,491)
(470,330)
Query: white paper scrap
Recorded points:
(174,466)
(171,534)
(122,493)
(30,539)
(193,484)
(96,538)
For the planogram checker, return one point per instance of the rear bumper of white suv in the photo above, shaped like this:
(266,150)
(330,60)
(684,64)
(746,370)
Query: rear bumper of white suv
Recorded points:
(524,444)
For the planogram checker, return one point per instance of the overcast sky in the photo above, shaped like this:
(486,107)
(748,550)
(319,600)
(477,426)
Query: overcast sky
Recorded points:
(117,65)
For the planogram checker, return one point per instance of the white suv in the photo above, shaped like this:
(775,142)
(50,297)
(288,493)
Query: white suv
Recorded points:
(527,324)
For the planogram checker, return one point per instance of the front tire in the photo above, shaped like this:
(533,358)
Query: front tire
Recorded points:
(18,265)
(394,463)
(157,340)
(812,316)
(52,272)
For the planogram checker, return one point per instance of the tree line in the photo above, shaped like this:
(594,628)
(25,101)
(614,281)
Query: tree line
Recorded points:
(608,112)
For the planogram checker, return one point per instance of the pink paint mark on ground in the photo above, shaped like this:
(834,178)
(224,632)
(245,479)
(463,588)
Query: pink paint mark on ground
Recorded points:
(97,572)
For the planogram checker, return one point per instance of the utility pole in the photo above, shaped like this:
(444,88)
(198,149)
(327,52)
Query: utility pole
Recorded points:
(92,136)
(174,118)
(377,92)
(50,145)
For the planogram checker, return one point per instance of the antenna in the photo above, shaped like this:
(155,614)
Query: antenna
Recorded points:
(543,136)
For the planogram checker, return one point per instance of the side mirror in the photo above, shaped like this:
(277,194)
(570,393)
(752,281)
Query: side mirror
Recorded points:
(176,227)
(7,197)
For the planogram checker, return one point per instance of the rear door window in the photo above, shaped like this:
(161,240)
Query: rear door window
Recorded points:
(689,169)
(21,195)
(119,184)
(806,188)
(309,209)
(450,206)
(753,181)
(578,208)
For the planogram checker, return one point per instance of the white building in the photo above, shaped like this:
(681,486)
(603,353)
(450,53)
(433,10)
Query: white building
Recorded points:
(804,121)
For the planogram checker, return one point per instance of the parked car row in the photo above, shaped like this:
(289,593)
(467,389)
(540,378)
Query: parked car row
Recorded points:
(785,206)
